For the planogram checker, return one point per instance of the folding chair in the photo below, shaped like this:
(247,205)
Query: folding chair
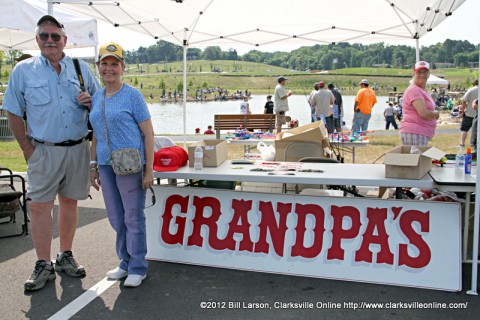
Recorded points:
(12,200)
(300,149)
(309,191)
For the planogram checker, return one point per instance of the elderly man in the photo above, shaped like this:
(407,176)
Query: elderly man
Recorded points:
(362,109)
(321,102)
(281,103)
(47,88)
(468,113)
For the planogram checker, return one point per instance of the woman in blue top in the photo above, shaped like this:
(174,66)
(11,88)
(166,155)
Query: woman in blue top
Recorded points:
(129,125)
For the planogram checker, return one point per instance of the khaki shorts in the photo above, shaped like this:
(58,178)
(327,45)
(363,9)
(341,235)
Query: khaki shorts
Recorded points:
(280,117)
(58,170)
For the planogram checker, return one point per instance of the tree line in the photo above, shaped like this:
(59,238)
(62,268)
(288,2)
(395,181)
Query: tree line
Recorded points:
(450,53)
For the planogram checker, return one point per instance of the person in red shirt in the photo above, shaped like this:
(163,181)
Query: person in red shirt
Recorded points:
(209,130)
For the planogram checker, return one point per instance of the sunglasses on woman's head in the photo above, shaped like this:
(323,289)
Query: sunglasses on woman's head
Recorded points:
(55,36)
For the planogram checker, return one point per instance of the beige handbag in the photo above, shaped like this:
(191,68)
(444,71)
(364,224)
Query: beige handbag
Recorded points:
(123,161)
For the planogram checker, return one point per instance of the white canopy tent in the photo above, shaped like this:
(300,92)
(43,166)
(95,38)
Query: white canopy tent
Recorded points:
(17,27)
(253,23)
(432,79)
(436,80)
(267,23)
(280,23)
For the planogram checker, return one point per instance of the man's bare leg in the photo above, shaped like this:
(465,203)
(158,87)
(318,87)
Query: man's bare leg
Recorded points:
(41,223)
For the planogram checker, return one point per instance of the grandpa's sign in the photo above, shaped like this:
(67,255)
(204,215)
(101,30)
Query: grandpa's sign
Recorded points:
(411,243)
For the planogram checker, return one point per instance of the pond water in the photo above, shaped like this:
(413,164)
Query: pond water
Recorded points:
(167,118)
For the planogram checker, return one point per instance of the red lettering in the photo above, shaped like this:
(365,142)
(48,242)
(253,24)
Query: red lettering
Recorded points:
(167,217)
(299,248)
(308,244)
(276,230)
(424,254)
(199,220)
(239,224)
(376,220)
(338,233)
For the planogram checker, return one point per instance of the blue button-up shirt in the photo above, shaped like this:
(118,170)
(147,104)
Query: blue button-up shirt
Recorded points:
(50,99)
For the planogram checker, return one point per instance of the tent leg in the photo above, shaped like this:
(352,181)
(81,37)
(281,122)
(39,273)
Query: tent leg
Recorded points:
(185,94)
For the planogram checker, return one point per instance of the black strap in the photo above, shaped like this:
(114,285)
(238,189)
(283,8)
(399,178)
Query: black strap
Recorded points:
(76,63)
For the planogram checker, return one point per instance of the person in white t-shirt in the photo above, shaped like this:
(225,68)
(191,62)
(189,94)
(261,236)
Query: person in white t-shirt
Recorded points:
(281,103)
(245,106)
(389,114)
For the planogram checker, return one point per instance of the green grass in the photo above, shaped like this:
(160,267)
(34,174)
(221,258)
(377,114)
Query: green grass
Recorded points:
(260,78)
(391,72)
(12,156)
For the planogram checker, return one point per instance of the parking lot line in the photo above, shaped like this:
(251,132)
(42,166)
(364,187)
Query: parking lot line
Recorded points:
(88,296)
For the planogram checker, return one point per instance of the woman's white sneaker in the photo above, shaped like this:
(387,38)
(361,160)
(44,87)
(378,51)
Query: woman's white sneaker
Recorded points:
(134,280)
(117,273)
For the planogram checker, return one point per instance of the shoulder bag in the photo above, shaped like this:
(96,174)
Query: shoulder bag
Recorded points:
(123,161)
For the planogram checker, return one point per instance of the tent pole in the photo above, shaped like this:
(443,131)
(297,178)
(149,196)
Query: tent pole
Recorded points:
(417,50)
(476,221)
(185,45)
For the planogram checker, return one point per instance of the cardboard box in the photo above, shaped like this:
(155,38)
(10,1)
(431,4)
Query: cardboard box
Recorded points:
(400,163)
(214,152)
(315,132)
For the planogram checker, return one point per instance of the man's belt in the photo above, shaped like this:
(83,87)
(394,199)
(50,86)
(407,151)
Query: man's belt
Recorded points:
(67,143)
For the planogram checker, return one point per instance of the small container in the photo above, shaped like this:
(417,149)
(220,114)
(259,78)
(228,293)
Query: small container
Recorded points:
(459,159)
(198,165)
(468,161)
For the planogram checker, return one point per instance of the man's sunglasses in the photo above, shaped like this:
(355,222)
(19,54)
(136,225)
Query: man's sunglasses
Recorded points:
(55,36)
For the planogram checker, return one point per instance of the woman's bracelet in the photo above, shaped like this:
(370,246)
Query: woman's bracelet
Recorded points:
(93,164)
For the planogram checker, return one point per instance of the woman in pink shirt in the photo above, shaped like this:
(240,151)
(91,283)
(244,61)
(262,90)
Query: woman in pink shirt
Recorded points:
(419,114)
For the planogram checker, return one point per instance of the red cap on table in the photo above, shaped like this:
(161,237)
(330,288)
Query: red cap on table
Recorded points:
(170,159)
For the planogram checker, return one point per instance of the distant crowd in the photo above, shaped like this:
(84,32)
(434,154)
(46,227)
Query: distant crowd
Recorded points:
(219,94)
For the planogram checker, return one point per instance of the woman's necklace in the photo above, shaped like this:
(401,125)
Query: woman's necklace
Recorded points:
(113,93)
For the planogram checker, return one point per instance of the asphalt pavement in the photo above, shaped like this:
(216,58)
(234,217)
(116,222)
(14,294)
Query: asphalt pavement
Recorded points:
(179,291)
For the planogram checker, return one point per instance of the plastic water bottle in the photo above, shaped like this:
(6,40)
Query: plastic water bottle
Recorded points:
(459,159)
(198,165)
